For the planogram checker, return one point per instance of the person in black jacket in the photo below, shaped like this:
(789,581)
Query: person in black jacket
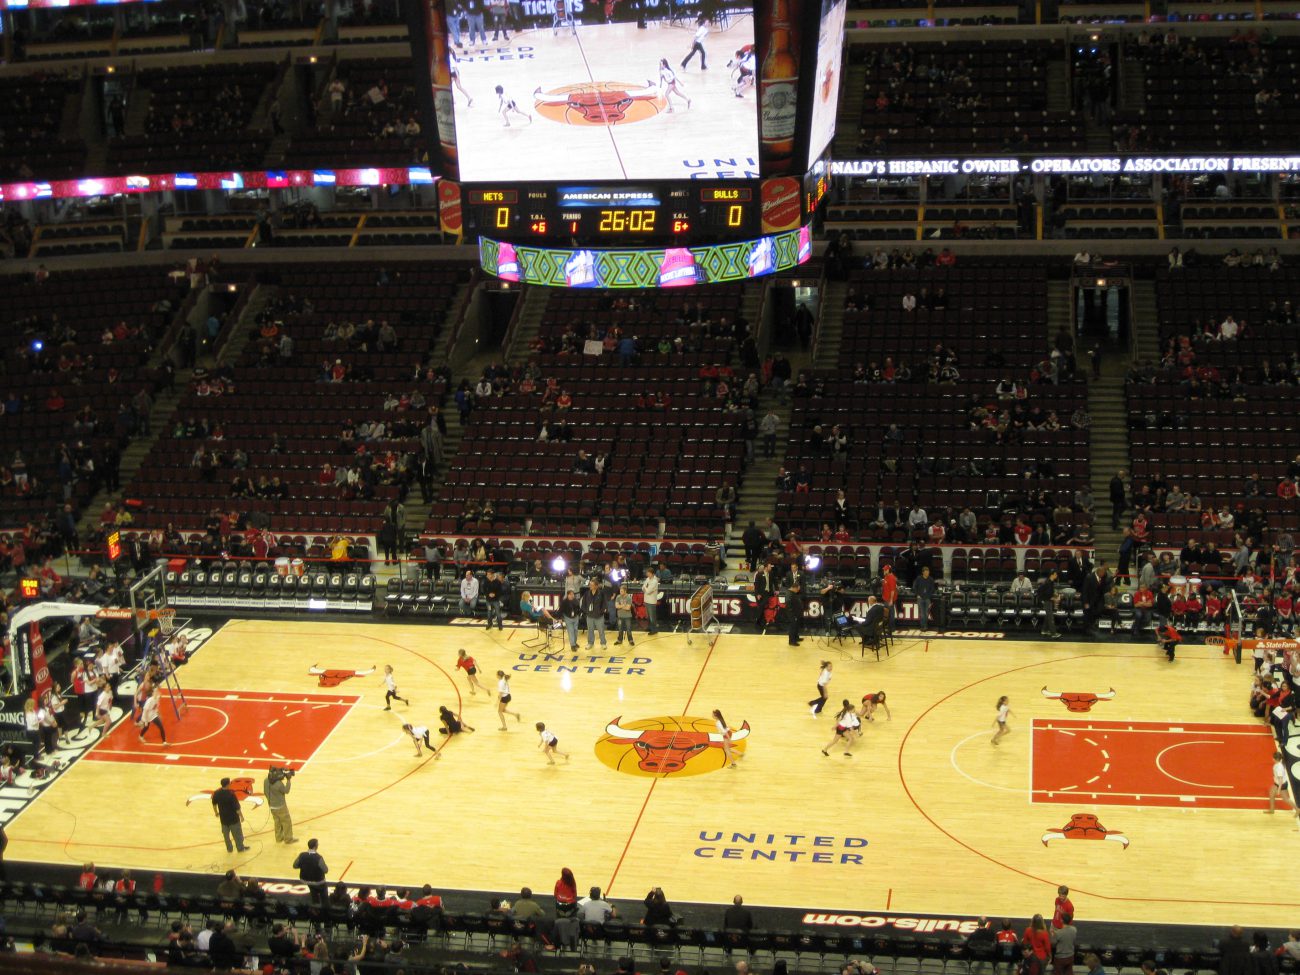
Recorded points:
(738,916)
(312,870)
(1046,598)
(1093,594)
(794,612)
(594,602)
(1118,499)
(657,908)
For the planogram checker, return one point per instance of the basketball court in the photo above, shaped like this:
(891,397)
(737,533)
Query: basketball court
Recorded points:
(1130,779)
(598,111)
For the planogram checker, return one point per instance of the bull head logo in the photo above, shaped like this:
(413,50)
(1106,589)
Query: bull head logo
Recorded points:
(1078,702)
(333,678)
(664,751)
(1085,826)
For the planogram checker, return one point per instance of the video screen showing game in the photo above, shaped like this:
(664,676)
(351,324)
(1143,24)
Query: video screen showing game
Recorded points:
(826,86)
(621,89)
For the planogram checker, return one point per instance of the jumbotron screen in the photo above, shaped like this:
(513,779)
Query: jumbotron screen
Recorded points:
(826,81)
(623,89)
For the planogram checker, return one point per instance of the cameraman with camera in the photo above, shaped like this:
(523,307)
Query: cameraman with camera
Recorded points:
(276,788)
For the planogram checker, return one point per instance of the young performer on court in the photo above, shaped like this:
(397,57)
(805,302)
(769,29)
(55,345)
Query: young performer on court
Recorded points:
(823,680)
(1004,712)
(549,744)
(451,727)
(869,704)
(455,78)
(671,85)
(104,706)
(847,724)
(150,715)
(724,729)
(744,63)
(503,698)
(390,689)
(1278,789)
(697,45)
(466,663)
(506,105)
(420,735)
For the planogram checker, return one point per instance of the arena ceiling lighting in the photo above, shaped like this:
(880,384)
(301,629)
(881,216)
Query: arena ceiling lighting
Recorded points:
(278,179)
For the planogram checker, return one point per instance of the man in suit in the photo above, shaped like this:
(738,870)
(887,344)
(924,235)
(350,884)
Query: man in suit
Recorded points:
(1118,499)
(873,621)
(1093,595)
(1079,569)
(794,612)
(763,590)
(1046,598)
(754,543)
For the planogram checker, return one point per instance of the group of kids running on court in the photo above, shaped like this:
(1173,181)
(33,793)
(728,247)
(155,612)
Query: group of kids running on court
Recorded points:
(452,725)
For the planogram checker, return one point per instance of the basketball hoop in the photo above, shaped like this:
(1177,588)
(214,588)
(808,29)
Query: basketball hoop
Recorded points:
(167,620)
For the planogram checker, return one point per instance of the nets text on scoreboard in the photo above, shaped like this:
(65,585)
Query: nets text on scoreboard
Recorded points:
(653,212)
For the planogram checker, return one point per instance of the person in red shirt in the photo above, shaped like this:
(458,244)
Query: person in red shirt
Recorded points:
(466,663)
(1143,601)
(888,590)
(338,371)
(936,532)
(1169,639)
(1284,606)
(428,898)
(1062,906)
(1214,608)
(1286,490)
(1022,532)
(566,894)
(1038,938)
(88,877)
(842,535)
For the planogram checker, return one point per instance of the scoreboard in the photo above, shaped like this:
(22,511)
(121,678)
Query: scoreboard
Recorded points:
(614,215)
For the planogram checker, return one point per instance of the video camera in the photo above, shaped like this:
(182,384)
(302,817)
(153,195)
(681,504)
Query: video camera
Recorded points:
(275,773)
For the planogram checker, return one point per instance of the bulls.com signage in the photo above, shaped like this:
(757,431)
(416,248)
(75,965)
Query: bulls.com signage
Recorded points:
(1069,165)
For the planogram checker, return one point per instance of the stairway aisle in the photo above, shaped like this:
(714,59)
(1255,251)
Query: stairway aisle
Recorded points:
(530,321)
(1108,449)
(830,330)
(1146,321)
(756,492)
(417,512)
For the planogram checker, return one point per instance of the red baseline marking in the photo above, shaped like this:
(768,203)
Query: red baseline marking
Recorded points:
(1151,763)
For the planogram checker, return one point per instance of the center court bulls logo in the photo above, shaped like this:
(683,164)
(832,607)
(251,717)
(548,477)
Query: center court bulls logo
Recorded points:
(600,103)
(1078,702)
(333,678)
(659,747)
(1085,826)
(242,788)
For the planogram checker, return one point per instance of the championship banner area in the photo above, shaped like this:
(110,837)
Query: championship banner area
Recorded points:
(671,267)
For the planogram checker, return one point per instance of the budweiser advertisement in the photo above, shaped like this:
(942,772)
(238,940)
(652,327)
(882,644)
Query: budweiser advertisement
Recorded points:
(441,68)
(449,206)
(779,87)
(614,91)
(781,204)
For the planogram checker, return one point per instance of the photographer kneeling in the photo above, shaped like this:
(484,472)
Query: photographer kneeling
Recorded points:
(276,789)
